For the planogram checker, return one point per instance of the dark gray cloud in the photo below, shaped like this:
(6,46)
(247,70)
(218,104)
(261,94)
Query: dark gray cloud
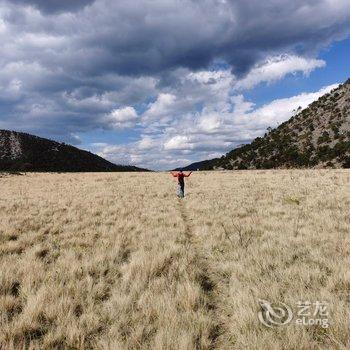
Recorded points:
(55,6)
(148,37)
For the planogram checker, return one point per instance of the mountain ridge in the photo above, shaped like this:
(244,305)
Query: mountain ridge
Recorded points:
(25,152)
(316,137)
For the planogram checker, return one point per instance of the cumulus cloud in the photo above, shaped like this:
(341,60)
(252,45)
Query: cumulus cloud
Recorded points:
(276,68)
(188,139)
(280,110)
(147,143)
(161,109)
(178,142)
(122,118)
(209,123)
(70,67)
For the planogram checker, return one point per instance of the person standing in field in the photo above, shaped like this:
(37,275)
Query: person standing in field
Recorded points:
(181,182)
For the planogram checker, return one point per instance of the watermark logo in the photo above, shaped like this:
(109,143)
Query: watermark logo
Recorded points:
(274,315)
(308,314)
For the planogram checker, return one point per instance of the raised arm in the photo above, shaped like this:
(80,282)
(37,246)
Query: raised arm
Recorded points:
(189,174)
(172,173)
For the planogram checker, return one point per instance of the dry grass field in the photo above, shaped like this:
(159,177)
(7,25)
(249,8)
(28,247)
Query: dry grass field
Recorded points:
(116,261)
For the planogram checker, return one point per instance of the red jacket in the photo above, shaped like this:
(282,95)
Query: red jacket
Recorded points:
(180,176)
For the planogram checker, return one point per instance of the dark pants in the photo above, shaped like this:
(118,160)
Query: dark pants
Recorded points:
(181,190)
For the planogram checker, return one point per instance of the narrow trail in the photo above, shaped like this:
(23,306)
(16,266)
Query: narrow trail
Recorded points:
(188,226)
(205,276)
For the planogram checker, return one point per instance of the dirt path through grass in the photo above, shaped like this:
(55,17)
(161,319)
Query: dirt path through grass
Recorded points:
(205,273)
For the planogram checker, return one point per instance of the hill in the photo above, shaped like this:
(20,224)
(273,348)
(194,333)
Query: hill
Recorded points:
(25,152)
(317,137)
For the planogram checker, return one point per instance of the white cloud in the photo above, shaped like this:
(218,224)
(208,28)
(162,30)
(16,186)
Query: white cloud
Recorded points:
(281,110)
(209,123)
(206,96)
(161,108)
(146,143)
(276,68)
(178,142)
(122,117)
(123,114)
(218,80)
(99,66)
(196,137)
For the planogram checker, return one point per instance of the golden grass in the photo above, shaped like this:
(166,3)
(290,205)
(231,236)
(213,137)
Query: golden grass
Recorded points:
(116,261)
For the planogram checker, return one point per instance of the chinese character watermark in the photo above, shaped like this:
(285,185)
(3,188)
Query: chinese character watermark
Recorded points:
(308,314)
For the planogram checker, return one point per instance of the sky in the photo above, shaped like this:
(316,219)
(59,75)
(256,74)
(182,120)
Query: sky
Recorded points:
(163,83)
